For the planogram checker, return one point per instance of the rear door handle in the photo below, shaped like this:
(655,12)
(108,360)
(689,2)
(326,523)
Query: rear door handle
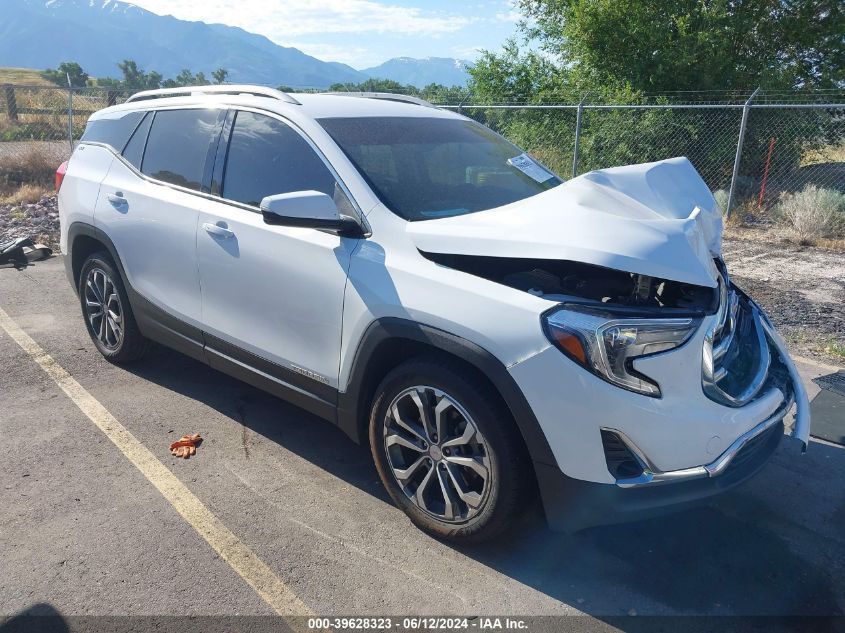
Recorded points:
(117,199)
(218,231)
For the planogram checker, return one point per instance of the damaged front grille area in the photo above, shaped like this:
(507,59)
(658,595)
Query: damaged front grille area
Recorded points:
(560,280)
(737,356)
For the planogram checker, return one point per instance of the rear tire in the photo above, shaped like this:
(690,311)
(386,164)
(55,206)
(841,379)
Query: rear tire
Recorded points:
(107,313)
(448,451)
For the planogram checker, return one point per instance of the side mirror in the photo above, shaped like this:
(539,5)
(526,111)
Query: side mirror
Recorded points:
(308,209)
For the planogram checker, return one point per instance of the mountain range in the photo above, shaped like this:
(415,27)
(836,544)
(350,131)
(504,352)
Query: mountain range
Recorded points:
(98,34)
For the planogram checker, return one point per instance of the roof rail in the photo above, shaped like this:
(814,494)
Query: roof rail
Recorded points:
(255,91)
(387,96)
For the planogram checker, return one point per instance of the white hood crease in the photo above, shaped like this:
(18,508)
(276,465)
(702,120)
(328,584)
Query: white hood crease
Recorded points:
(657,219)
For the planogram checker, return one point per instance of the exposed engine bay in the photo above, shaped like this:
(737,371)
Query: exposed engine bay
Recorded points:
(558,280)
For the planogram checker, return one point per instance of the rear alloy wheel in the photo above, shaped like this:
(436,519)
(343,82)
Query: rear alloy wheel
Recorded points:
(448,451)
(104,310)
(108,315)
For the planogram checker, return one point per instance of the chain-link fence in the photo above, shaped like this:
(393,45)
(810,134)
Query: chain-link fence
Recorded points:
(749,152)
(782,148)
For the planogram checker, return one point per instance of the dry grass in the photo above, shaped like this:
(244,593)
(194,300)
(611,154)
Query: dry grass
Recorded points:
(26,194)
(33,168)
(827,154)
(775,235)
(22,77)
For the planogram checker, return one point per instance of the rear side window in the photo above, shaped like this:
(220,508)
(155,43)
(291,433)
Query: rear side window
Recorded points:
(267,157)
(178,146)
(134,151)
(114,132)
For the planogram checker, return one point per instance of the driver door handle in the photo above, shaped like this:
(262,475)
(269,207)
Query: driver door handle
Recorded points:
(218,231)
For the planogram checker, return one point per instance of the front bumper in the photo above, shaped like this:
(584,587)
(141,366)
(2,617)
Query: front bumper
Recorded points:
(572,504)
(688,446)
(652,475)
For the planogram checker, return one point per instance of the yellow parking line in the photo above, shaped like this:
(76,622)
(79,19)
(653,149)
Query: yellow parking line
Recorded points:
(243,560)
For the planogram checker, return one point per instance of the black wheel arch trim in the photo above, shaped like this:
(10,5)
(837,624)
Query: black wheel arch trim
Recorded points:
(353,405)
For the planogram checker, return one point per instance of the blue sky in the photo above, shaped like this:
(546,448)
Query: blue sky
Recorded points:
(360,33)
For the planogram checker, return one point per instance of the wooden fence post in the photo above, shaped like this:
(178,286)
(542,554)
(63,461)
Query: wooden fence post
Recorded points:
(11,103)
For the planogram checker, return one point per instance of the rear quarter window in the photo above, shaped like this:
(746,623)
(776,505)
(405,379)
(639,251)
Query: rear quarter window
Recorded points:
(179,146)
(114,132)
(134,150)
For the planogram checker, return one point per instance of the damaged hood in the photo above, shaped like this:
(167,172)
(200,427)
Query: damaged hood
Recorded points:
(656,219)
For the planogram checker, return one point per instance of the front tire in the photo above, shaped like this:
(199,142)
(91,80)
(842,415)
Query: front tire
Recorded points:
(107,313)
(448,451)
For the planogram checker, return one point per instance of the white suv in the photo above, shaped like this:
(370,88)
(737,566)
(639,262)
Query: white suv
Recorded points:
(409,275)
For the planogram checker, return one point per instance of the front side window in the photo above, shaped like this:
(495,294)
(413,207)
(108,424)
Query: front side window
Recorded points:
(178,146)
(423,168)
(267,157)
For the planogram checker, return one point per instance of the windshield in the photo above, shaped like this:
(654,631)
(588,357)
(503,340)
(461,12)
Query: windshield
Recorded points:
(425,168)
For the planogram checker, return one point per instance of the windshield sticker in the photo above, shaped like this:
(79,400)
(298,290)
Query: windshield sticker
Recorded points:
(530,167)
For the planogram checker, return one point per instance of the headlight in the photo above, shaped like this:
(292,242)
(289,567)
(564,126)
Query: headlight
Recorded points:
(607,344)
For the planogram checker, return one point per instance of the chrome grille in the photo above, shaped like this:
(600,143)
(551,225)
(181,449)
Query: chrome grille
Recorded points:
(736,356)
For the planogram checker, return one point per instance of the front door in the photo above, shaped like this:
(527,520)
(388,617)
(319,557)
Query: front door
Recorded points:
(272,296)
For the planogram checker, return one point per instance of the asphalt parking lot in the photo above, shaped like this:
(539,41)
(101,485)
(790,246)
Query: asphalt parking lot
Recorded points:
(83,531)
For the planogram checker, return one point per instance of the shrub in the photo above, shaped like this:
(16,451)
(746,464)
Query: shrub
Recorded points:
(812,213)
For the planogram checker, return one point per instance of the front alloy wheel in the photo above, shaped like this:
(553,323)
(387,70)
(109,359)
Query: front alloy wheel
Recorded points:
(436,454)
(448,450)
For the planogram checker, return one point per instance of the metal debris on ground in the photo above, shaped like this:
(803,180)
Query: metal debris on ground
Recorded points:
(21,252)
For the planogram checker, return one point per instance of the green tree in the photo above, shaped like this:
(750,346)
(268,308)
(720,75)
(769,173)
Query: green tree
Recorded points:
(375,85)
(620,51)
(78,77)
(185,78)
(135,78)
(664,45)
(220,75)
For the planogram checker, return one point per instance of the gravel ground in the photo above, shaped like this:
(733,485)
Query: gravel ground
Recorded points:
(39,220)
(802,288)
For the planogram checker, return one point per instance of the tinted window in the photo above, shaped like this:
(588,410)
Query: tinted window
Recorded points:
(178,146)
(423,168)
(112,131)
(135,148)
(267,157)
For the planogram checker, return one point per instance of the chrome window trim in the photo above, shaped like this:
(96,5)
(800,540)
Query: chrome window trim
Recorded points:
(361,219)
(654,476)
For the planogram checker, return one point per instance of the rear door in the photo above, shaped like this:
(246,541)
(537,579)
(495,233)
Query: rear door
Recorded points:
(272,296)
(149,205)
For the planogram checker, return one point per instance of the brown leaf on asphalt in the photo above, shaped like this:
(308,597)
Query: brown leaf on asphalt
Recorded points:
(185,446)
